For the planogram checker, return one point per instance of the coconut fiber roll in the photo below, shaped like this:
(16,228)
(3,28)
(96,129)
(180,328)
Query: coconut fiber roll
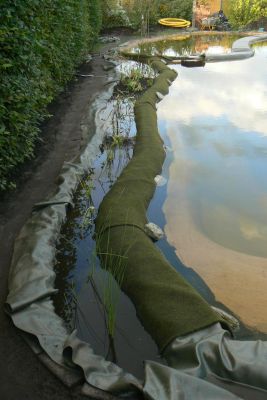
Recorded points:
(167,305)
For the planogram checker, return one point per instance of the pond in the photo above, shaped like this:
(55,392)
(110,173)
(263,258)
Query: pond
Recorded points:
(213,206)
(214,120)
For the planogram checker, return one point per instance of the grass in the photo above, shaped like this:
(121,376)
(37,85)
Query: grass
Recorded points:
(88,216)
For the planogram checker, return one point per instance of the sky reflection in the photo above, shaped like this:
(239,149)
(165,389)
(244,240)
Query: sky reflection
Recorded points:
(216,207)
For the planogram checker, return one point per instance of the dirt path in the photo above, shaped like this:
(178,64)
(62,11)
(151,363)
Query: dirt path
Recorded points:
(22,376)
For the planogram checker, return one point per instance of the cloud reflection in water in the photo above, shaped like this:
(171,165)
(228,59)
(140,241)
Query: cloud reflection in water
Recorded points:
(216,208)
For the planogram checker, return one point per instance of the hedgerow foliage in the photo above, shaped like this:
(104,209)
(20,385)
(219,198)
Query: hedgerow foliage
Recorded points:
(41,42)
(114,14)
(243,12)
(137,9)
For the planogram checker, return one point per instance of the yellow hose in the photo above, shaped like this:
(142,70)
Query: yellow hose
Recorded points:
(174,22)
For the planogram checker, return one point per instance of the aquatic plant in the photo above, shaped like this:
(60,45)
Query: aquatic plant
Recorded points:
(136,79)
(88,215)
(112,288)
(132,82)
(117,141)
(108,289)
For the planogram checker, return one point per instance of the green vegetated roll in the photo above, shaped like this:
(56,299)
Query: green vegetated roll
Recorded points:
(166,304)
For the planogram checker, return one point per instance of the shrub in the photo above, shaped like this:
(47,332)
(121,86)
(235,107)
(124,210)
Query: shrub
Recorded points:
(114,15)
(138,10)
(176,9)
(243,12)
(155,9)
(41,42)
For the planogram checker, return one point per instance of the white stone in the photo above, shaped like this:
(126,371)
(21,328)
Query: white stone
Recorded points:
(168,149)
(160,180)
(154,231)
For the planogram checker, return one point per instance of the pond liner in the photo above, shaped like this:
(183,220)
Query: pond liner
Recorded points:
(31,281)
(166,304)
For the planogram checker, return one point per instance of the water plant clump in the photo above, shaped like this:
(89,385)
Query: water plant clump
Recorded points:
(132,82)
(135,79)
(87,187)
(110,293)
(116,148)
(106,287)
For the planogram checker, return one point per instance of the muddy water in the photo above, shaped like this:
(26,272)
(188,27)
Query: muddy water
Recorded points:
(215,122)
(83,285)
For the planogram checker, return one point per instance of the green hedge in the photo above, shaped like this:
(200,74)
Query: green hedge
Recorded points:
(41,42)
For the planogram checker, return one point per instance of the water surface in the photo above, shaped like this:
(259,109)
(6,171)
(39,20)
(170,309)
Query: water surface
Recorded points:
(213,207)
(216,203)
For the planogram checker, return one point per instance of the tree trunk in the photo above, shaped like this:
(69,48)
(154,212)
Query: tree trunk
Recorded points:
(194,13)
